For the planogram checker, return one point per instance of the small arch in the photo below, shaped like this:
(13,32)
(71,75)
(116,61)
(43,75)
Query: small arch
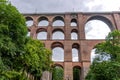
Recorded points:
(75,52)
(75,45)
(97,27)
(73,23)
(74,35)
(58,35)
(57,44)
(29,21)
(43,21)
(58,21)
(41,34)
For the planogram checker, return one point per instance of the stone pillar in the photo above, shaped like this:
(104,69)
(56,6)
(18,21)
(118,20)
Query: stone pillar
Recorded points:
(81,26)
(46,75)
(67,27)
(117,20)
(85,68)
(49,30)
(67,51)
(68,71)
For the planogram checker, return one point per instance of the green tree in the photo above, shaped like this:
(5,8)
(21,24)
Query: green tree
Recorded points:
(109,69)
(37,57)
(57,73)
(18,53)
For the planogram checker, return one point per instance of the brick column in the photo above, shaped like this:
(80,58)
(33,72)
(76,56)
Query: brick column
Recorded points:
(117,20)
(81,26)
(68,71)
(85,68)
(67,27)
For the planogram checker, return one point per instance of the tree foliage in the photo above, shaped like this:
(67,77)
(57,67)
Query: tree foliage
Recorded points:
(18,53)
(57,73)
(107,69)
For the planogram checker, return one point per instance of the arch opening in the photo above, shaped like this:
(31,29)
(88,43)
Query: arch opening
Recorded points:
(58,21)
(58,35)
(97,28)
(76,73)
(75,53)
(58,54)
(29,21)
(73,23)
(43,21)
(42,35)
(100,57)
(74,36)
(58,73)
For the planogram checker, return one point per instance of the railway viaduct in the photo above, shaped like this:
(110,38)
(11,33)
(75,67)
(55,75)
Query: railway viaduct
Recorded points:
(69,23)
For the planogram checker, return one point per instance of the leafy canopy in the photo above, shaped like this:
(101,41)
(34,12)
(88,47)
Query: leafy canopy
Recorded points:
(18,53)
(107,69)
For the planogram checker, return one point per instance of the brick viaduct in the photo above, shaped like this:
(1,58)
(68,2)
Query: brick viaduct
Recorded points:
(82,44)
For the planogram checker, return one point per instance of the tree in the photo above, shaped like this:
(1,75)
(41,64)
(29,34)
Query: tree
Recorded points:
(37,57)
(102,69)
(57,73)
(18,53)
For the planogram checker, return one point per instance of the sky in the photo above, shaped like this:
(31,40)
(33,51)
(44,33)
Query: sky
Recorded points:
(62,6)
(55,6)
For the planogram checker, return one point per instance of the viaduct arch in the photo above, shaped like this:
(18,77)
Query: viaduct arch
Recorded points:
(78,21)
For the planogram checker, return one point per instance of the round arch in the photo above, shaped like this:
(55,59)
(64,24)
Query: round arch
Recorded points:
(29,21)
(41,34)
(58,34)
(102,18)
(58,21)
(57,44)
(75,52)
(57,52)
(76,72)
(74,34)
(57,64)
(73,22)
(43,21)
(97,27)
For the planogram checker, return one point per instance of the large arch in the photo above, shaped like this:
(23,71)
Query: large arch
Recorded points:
(97,27)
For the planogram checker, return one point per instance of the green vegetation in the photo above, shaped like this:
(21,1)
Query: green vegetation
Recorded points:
(109,69)
(57,73)
(18,53)
(76,74)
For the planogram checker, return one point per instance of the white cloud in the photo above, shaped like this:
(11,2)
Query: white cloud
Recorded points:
(32,6)
(50,6)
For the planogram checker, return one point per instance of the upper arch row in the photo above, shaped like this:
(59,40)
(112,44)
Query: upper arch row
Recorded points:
(60,20)
(44,21)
